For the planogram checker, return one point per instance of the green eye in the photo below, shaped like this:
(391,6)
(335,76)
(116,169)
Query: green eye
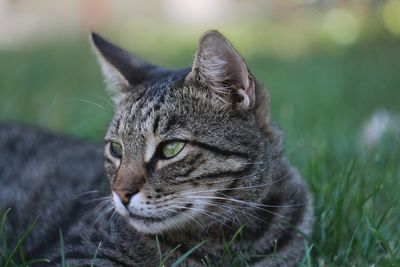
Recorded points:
(116,150)
(172,149)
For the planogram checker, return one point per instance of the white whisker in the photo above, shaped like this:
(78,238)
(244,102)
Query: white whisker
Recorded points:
(241,188)
(97,199)
(186,215)
(203,211)
(89,102)
(104,99)
(251,204)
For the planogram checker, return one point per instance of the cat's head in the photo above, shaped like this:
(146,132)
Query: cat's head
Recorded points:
(186,148)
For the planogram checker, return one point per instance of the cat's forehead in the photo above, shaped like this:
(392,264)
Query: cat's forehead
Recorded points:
(142,107)
(161,82)
(155,87)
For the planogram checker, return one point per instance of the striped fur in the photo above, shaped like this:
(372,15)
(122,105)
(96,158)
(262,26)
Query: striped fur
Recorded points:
(230,174)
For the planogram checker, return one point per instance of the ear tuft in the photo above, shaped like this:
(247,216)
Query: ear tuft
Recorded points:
(121,69)
(115,80)
(219,67)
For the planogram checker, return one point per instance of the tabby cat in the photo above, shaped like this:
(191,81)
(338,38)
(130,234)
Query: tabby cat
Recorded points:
(194,164)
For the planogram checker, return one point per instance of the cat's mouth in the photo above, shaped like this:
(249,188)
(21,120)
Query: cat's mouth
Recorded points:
(155,216)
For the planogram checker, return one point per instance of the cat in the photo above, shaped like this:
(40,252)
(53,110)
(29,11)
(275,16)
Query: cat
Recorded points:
(192,164)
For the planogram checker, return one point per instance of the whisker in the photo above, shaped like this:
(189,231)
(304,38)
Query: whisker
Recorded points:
(214,182)
(241,188)
(104,99)
(226,180)
(258,163)
(268,206)
(84,194)
(205,212)
(240,178)
(235,209)
(102,205)
(184,214)
(251,204)
(97,199)
(112,217)
(102,210)
(173,220)
(87,193)
(89,102)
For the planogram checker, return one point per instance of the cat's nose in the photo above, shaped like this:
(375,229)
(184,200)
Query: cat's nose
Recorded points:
(124,196)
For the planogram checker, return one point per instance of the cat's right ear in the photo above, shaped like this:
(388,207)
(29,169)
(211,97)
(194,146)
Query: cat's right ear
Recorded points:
(121,69)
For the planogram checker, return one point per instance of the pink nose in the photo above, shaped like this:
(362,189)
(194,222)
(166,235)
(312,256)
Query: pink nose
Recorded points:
(124,196)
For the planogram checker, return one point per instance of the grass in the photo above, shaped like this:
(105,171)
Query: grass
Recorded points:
(164,257)
(321,101)
(10,256)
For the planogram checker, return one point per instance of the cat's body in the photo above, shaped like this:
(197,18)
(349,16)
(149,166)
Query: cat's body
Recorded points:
(189,161)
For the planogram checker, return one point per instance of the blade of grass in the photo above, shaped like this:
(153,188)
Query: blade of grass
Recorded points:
(95,255)
(187,254)
(159,251)
(164,257)
(228,245)
(36,261)
(20,243)
(63,264)
(3,237)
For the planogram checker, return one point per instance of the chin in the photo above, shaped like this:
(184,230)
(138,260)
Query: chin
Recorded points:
(157,225)
(148,227)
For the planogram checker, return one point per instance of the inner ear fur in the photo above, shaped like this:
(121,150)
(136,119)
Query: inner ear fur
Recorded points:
(220,69)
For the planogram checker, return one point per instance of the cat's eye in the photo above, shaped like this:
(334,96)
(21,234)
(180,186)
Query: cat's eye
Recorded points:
(116,149)
(171,149)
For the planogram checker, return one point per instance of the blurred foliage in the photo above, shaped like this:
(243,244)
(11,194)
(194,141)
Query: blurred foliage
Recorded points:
(59,85)
(323,89)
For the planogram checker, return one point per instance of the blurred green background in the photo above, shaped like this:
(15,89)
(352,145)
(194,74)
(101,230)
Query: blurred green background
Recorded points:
(331,67)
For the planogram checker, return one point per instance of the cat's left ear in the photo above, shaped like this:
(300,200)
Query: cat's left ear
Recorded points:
(121,69)
(220,68)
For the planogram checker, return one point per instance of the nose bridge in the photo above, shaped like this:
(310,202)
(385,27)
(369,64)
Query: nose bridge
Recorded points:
(131,174)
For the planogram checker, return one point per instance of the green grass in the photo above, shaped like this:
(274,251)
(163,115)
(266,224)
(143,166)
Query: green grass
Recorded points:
(321,101)
(15,256)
